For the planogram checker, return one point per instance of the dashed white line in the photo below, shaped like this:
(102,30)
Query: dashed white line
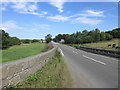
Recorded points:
(94,60)
(61,52)
(75,52)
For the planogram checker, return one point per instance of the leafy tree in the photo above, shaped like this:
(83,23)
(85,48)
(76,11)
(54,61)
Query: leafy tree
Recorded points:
(84,37)
(26,41)
(85,32)
(41,40)
(102,36)
(5,39)
(108,36)
(8,41)
(35,40)
(115,33)
(48,38)
(14,41)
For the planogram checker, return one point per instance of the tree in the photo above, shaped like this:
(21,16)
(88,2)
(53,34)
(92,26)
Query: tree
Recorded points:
(14,41)
(41,40)
(102,36)
(48,38)
(85,32)
(35,40)
(26,41)
(79,40)
(108,36)
(115,33)
(5,39)
(97,35)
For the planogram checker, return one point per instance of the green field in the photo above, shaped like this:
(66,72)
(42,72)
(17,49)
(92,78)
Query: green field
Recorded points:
(53,75)
(102,44)
(22,51)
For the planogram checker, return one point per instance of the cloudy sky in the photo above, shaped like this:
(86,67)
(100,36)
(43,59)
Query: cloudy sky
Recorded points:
(37,19)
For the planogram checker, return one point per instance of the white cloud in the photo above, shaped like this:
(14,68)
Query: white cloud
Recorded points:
(24,7)
(58,3)
(85,20)
(75,19)
(42,26)
(2,8)
(58,18)
(93,13)
(10,25)
(90,13)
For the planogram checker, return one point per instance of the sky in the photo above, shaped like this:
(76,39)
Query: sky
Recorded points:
(34,20)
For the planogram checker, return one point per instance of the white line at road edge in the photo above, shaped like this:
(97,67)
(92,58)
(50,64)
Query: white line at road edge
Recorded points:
(94,60)
(61,52)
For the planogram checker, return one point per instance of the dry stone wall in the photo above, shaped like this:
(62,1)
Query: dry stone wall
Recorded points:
(16,71)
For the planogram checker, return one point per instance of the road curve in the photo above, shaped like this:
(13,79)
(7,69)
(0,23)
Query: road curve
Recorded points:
(90,70)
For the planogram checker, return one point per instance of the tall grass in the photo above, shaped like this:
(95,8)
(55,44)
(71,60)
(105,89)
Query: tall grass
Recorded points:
(53,75)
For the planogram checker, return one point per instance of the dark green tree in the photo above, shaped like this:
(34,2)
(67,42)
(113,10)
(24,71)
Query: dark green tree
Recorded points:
(5,39)
(14,41)
(48,38)
(102,36)
(42,40)
(35,40)
(26,41)
(115,33)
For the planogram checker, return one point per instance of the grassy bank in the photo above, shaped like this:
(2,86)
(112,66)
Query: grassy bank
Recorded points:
(102,44)
(22,51)
(53,75)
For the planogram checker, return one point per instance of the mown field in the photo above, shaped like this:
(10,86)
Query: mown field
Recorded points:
(22,51)
(53,75)
(102,44)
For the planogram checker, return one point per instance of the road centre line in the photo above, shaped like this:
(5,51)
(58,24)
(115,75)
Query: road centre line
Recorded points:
(94,60)
(75,52)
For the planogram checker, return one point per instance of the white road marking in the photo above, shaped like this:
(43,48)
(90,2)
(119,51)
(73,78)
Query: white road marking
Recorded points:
(94,60)
(101,56)
(75,52)
(61,52)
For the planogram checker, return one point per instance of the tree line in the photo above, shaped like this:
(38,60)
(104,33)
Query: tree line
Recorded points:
(76,38)
(8,41)
(87,36)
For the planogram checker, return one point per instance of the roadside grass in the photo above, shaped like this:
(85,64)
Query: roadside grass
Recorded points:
(53,75)
(102,44)
(22,51)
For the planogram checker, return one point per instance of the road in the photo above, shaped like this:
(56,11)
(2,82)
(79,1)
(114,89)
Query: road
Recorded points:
(90,70)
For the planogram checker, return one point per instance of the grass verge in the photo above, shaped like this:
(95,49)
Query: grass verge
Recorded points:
(53,75)
(22,51)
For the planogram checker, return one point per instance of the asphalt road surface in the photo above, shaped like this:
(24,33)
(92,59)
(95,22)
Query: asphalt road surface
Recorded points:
(90,70)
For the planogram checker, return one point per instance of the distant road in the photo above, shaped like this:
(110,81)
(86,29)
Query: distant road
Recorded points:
(90,70)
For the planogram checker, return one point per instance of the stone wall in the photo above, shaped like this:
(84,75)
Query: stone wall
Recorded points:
(15,71)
